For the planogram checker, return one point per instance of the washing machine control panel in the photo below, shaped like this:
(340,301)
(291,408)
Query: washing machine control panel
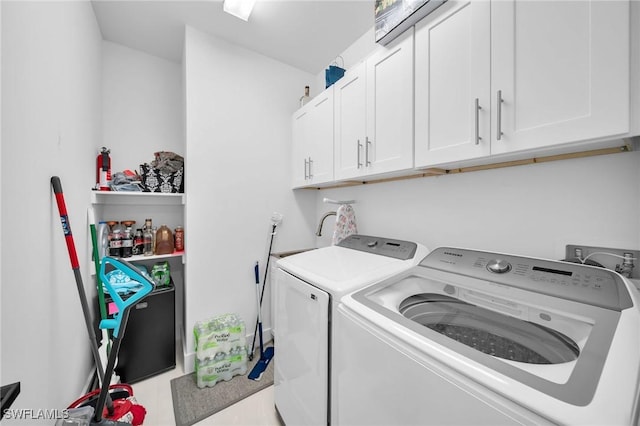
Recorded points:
(586,284)
(398,249)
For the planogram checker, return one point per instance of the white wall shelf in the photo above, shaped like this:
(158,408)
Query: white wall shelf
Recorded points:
(140,258)
(137,198)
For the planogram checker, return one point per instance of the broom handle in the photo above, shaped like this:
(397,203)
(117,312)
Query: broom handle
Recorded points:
(264,284)
(257,272)
(75,265)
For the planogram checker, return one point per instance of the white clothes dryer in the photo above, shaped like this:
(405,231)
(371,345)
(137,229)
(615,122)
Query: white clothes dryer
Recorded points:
(471,337)
(307,289)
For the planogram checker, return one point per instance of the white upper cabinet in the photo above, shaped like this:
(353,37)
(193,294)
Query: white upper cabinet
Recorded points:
(452,66)
(503,76)
(561,69)
(350,123)
(389,142)
(374,113)
(300,148)
(313,142)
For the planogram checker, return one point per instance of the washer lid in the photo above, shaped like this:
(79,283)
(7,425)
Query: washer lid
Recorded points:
(337,269)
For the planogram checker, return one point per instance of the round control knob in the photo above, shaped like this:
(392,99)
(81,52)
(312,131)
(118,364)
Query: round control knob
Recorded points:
(498,266)
(372,243)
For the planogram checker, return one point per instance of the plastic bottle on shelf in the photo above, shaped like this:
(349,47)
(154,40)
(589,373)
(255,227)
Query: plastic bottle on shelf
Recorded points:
(148,242)
(138,242)
(164,240)
(154,232)
(178,238)
(147,237)
(103,239)
(305,98)
(127,243)
(115,242)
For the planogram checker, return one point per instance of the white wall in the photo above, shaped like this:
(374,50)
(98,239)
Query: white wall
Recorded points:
(141,106)
(532,210)
(51,123)
(238,123)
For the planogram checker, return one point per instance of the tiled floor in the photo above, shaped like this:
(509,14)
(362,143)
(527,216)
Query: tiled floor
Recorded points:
(155,395)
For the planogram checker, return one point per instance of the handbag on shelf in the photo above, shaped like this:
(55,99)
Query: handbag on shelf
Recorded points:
(164,174)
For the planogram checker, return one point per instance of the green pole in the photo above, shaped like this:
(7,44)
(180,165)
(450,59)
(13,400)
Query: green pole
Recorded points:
(96,262)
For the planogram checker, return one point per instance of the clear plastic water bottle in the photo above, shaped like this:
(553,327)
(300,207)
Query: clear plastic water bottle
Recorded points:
(147,237)
(103,239)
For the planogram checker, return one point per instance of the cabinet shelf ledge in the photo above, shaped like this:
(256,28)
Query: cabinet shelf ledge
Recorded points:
(144,198)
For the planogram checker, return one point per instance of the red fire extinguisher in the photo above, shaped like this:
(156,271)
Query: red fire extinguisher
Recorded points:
(103,170)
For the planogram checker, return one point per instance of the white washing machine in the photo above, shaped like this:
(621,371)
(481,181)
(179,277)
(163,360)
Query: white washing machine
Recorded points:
(307,289)
(471,337)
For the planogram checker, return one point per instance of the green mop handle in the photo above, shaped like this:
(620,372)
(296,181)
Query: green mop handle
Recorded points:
(96,262)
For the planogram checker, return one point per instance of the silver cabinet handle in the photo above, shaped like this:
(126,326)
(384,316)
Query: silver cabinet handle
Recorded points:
(310,163)
(306,176)
(366,152)
(477,113)
(359,147)
(499,114)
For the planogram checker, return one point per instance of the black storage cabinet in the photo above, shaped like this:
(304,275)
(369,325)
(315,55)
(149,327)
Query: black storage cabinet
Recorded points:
(149,345)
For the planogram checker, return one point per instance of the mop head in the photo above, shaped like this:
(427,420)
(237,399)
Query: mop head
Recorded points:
(261,365)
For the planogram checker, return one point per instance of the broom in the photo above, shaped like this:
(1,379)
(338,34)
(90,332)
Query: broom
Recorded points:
(265,356)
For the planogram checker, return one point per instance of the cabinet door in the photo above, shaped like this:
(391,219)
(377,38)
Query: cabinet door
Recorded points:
(350,123)
(452,66)
(299,152)
(562,71)
(389,146)
(320,138)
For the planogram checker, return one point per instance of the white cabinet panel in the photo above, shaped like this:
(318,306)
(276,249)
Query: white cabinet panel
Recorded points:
(389,146)
(452,67)
(374,113)
(504,76)
(321,138)
(350,123)
(299,165)
(562,69)
(312,138)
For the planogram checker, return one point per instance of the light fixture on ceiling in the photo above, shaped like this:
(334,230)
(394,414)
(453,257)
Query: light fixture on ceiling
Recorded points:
(239,8)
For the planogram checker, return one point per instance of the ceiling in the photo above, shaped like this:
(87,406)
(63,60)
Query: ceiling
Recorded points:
(306,34)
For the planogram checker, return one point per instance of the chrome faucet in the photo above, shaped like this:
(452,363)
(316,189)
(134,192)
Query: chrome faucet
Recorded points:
(326,215)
